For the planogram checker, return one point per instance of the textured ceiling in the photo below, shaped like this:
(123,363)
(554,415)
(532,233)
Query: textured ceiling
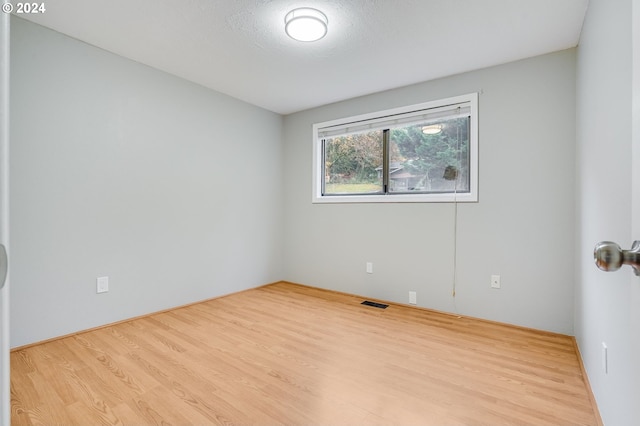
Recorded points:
(239,47)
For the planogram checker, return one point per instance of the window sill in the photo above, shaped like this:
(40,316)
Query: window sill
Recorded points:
(398,198)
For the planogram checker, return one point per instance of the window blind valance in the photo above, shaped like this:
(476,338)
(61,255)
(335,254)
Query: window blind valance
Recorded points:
(417,117)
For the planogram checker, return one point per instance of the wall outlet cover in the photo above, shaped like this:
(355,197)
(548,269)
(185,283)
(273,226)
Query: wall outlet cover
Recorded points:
(102,284)
(495,281)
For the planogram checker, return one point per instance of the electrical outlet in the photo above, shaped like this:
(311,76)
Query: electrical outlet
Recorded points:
(412,298)
(369,268)
(495,281)
(102,284)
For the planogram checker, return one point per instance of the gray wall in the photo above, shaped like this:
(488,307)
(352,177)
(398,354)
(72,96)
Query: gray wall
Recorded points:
(604,305)
(120,170)
(522,228)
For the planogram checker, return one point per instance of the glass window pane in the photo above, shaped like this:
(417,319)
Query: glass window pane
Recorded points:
(430,158)
(353,164)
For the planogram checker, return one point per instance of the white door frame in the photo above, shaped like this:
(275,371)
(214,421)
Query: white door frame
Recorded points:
(5,390)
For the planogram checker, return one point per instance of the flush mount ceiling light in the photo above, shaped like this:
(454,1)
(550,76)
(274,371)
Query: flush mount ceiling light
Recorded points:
(433,129)
(305,24)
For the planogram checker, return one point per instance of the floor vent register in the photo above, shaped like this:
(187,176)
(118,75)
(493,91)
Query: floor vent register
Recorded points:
(374,304)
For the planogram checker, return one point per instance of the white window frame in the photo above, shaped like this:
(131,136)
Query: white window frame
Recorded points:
(470,100)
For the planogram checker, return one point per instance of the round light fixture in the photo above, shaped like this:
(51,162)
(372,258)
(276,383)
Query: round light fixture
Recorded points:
(433,129)
(305,24)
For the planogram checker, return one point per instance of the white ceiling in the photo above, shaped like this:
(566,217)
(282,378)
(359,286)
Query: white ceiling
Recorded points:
(239,47)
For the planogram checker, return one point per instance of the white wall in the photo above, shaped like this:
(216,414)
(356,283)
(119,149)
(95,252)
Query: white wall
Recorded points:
(120,170)
(603,307)
(634,299)
(522,228)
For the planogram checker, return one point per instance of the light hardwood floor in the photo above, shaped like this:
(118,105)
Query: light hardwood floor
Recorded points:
(289,354)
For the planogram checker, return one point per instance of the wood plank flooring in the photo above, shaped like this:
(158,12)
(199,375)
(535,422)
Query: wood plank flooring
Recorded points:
(289,354)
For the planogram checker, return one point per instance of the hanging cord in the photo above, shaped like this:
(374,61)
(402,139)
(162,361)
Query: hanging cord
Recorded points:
(455,217)
(455,243)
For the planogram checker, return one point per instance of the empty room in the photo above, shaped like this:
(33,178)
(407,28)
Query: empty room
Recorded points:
(322,212)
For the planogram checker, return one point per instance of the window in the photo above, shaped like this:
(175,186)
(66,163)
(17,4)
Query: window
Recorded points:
(421,153)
